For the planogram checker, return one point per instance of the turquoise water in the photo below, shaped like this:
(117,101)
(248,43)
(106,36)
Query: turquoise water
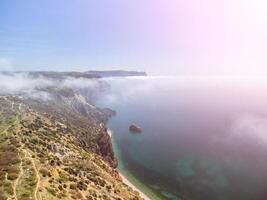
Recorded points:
(202,138)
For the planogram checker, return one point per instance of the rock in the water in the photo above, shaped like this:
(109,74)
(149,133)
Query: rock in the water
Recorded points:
(135,129)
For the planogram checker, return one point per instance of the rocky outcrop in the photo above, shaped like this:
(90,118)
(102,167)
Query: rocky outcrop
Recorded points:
(135,129)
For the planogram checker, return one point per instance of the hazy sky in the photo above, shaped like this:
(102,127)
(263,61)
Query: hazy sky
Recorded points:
(170,37)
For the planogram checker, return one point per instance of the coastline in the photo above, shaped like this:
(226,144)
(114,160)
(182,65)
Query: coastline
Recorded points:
(127,181)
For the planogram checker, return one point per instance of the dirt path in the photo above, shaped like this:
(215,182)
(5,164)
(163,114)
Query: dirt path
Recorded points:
(17,180)
(5,132)
(28,156)
(20,167)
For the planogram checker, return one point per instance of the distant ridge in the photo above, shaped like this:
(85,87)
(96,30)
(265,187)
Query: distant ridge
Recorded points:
(62,75)
(117,73)
(75,74)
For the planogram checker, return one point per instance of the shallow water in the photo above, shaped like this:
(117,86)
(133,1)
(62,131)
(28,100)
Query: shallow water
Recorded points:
(202,138)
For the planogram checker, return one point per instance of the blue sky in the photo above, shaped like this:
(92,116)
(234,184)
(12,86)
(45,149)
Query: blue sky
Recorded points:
(170,37)
(76,35)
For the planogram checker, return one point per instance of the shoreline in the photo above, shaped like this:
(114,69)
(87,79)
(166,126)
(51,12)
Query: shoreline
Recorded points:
(127,181)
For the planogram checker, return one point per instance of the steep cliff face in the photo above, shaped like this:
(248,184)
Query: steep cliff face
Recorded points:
(105,149)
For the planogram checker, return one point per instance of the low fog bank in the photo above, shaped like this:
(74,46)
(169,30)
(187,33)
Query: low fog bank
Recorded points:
(125,88)
(240,103)
(24,84)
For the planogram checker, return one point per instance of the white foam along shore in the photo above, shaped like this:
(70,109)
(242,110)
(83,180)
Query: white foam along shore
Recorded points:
(109,132)
(126,181)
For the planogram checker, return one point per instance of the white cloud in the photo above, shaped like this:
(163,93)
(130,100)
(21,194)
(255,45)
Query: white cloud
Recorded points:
(246,132)
(251,127)
(35,87)
(21,83)
(79,83)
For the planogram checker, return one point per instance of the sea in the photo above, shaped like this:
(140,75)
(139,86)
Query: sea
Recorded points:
(203,138)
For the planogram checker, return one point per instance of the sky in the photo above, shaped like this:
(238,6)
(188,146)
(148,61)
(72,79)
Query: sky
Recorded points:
(161,37)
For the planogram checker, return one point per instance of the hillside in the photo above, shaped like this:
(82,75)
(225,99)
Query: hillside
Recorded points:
(57,148)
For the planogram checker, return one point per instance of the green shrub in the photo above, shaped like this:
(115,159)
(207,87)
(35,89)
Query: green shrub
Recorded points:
(51,191)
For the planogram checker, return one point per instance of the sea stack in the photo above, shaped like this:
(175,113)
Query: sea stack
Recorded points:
(135,129)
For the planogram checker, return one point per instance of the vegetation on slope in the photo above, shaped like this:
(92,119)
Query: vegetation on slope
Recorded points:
(50,151)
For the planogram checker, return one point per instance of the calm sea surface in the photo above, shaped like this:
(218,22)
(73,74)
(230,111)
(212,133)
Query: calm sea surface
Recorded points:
(203,138)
